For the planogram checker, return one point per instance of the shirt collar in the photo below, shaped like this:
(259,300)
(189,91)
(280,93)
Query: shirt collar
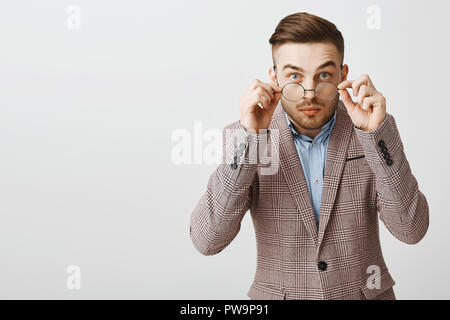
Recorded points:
(326,129)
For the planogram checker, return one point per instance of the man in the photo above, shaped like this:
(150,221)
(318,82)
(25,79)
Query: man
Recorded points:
(340,163)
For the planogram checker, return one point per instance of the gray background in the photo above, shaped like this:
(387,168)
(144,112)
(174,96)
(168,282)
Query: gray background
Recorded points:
(86,119)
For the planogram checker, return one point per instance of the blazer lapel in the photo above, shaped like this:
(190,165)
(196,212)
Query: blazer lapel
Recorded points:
(336,154)
(293,172)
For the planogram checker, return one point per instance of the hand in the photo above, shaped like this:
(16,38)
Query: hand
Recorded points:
(254,116)
(369,111)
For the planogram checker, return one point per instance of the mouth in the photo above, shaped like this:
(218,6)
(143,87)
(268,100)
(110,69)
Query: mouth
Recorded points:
(310,111)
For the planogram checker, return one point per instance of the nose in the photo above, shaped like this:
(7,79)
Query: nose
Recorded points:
(309,86)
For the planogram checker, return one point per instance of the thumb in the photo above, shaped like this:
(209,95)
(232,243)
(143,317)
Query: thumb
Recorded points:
(275,100)
(347,100)
(277,96)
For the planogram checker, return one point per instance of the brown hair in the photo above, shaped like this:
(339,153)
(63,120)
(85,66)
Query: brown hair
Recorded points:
(303,27)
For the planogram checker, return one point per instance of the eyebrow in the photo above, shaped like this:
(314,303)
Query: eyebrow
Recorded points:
(326,64)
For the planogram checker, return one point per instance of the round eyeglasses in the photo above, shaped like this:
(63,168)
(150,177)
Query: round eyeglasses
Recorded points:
(294,91)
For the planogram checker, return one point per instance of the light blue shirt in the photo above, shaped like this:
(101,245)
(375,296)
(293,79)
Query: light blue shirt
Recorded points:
(312,153)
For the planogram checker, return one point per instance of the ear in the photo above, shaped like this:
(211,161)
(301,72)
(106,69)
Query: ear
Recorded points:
(272,75)
(344,72)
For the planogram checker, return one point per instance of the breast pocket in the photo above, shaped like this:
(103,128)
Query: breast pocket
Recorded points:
(356,171)
(357,188)
(355,158)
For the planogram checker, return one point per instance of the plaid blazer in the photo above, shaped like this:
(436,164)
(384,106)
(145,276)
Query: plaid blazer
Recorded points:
(366,173)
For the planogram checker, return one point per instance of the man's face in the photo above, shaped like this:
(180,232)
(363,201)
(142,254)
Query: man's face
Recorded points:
(308,64)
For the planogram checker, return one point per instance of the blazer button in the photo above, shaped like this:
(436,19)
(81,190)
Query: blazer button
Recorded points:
(322,265)
(381,143)
(389,162)
(384,149)
(234,166)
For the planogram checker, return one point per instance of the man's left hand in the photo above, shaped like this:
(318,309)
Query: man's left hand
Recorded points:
(369,111)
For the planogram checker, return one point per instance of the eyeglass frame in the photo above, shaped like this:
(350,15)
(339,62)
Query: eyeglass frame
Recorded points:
(304,90)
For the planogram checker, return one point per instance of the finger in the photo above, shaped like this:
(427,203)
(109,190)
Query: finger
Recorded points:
(274,87)
(347,100)
(257,86)
(260,91)
(345,84)
(278,96)
(275,100)
(368,102)
(263,99)
(368,80)
(268,98)
(364,79)
(364,91)
(267,88)
(253,85)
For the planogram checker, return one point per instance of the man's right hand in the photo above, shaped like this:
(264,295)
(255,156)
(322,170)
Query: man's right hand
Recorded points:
(252,115)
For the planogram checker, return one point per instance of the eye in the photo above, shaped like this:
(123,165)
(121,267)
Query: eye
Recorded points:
(326,73)
(294,74)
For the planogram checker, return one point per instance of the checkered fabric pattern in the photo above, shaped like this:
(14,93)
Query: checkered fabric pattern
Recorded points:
(367,178)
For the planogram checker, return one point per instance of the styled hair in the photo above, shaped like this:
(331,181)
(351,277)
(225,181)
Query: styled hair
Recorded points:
(303,27)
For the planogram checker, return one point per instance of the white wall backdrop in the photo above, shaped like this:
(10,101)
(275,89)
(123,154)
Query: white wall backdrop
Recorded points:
(91,93)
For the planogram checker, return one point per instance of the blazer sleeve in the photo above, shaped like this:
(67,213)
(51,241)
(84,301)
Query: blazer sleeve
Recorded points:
(402,206)
(216,218)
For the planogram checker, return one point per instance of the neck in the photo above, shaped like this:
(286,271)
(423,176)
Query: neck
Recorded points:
(312,133)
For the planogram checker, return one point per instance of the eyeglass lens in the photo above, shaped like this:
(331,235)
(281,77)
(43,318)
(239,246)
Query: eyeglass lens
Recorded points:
(295,92)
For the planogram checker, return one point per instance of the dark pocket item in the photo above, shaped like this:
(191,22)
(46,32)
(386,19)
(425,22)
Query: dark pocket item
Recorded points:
(354,158)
